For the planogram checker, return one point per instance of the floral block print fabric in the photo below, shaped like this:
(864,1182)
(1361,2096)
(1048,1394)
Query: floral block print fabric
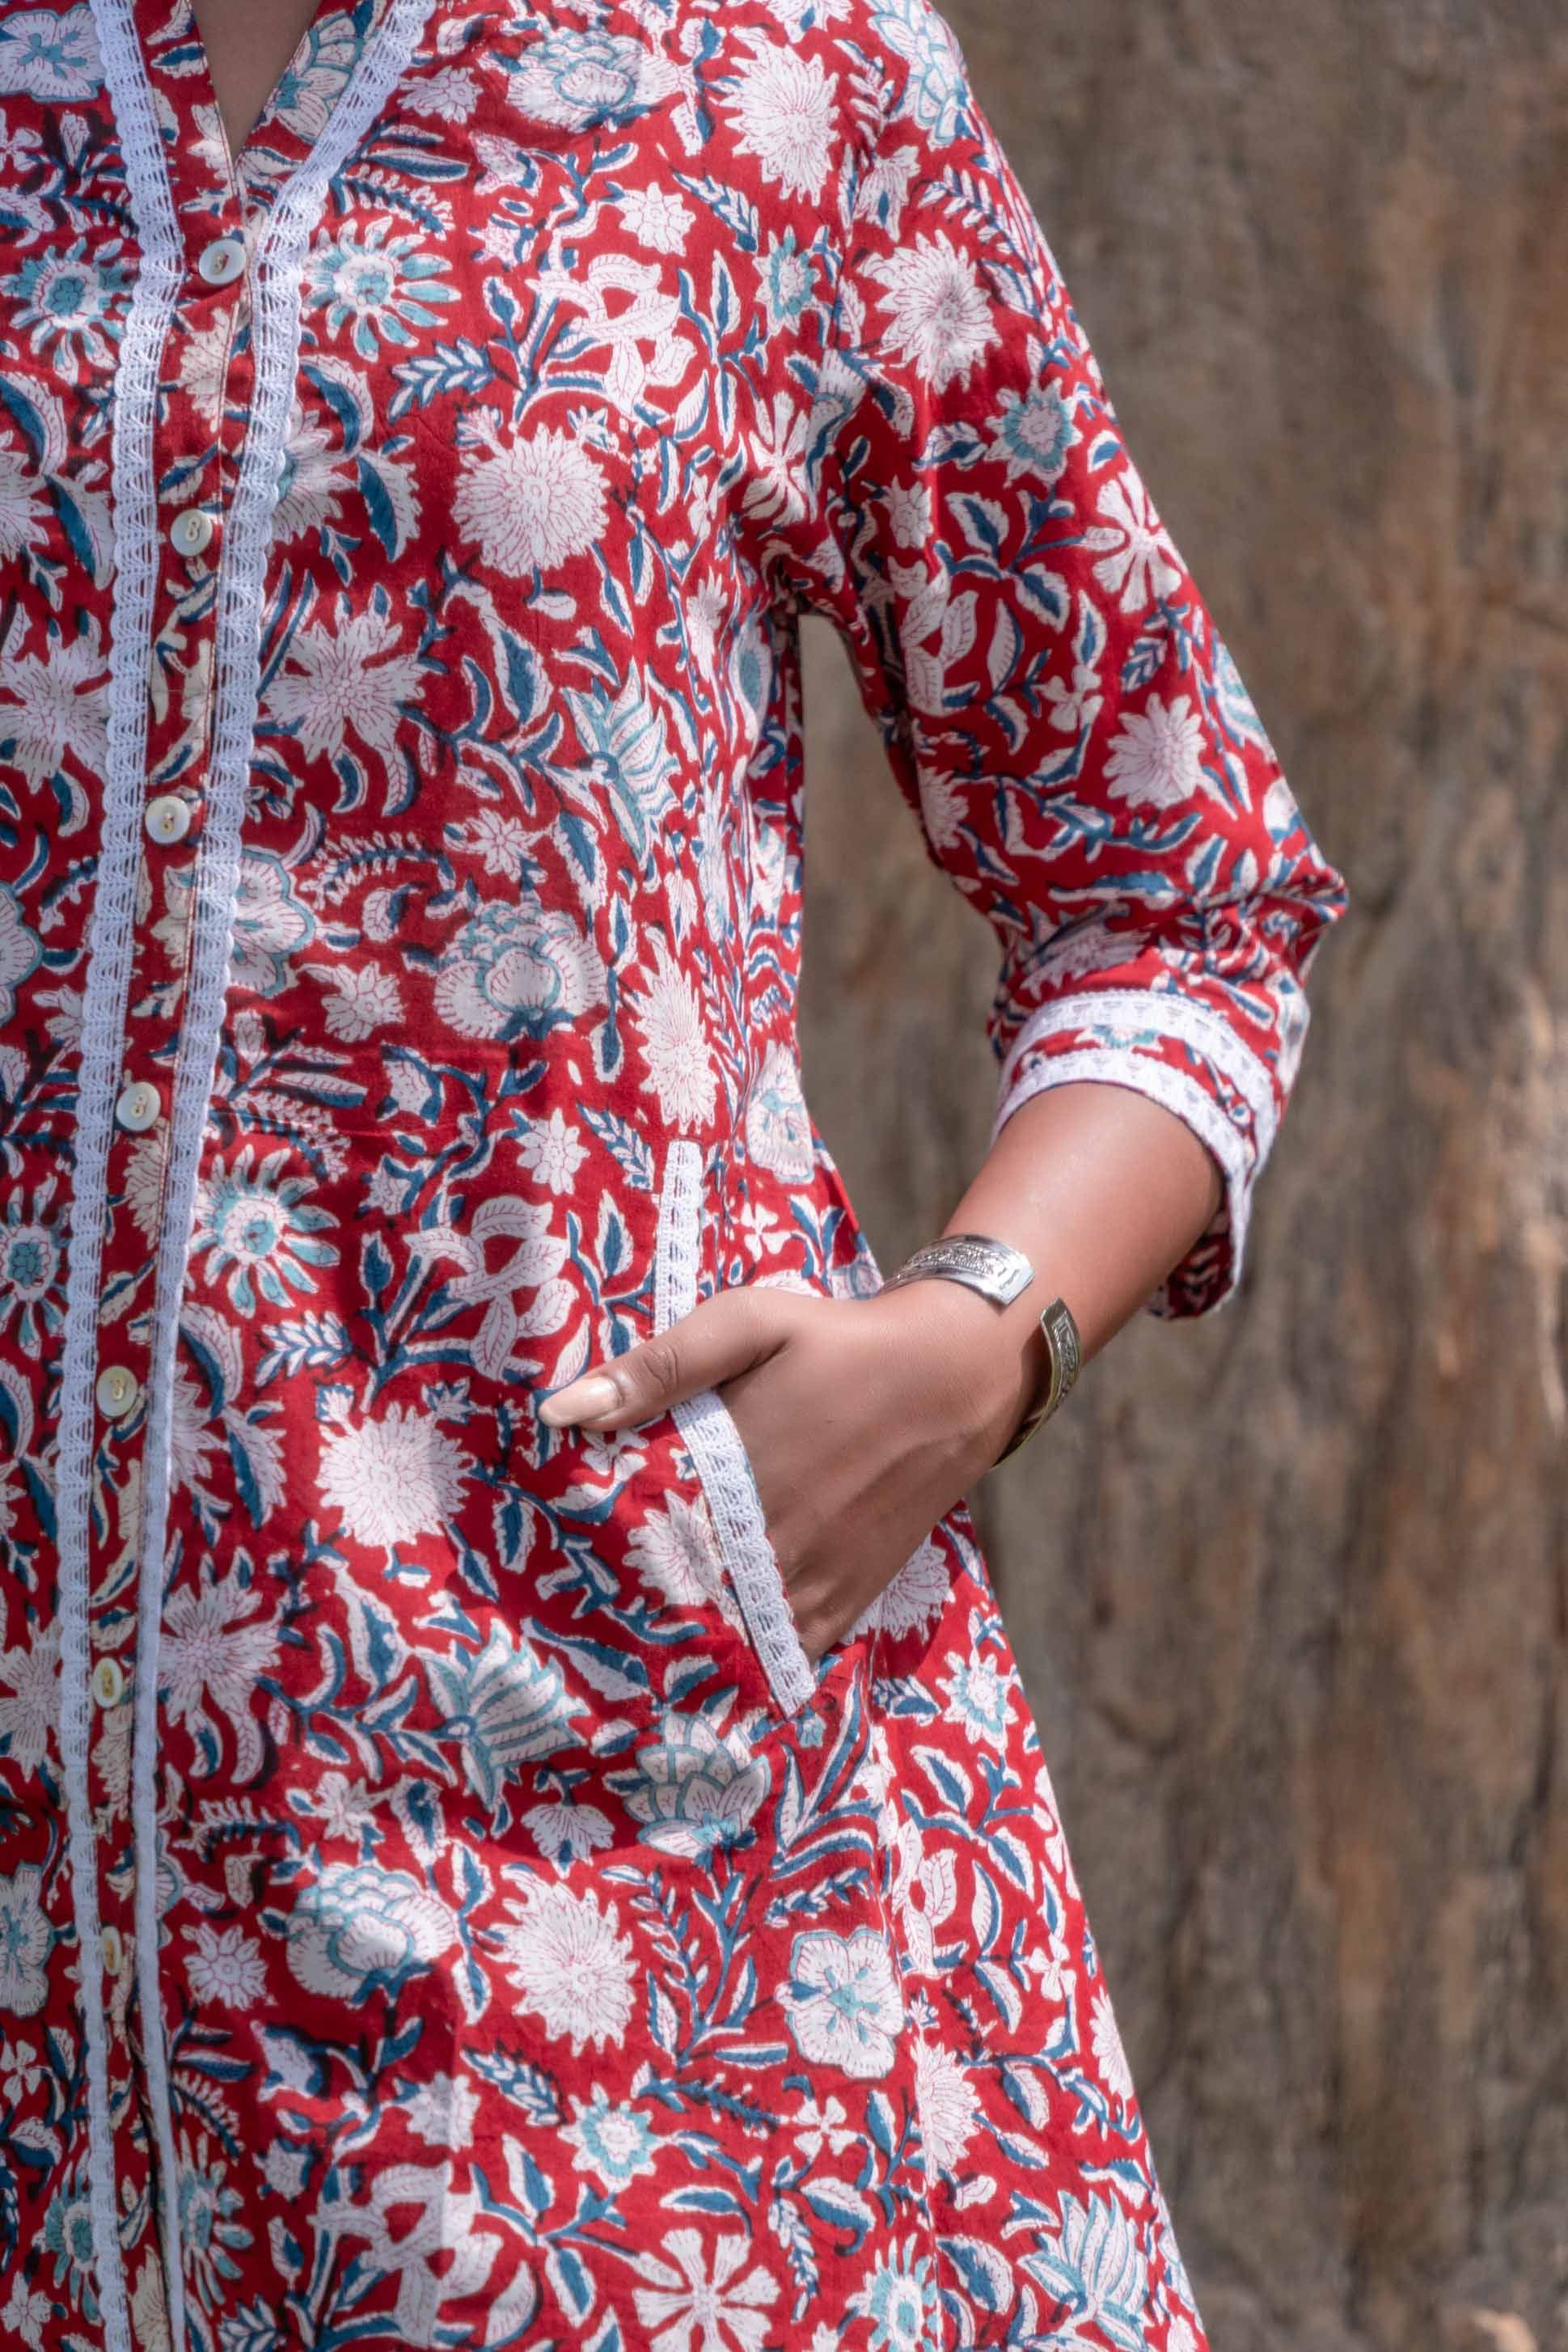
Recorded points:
(439,1902)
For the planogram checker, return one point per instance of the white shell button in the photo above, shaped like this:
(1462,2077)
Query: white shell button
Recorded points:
(221,261)
(168,819)
(192,532)
(108,1682)
(117,1390)
(138,1107)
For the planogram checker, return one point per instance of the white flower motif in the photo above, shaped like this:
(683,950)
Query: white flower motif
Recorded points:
(676,1553)
(785,108)
(532,504)
(949,2103)
(214,1649)
(535,1266)
(1156,760)
(359,1927)
(685,2300)
(360,999)
(1138,560)
(23,515)
(564,1832)
(393,1479)
(842,2002)
(351,676)
(447,97)
(942,319)
(657,219)
(912,1602)
(627,308)
(569,1965)
(55,706)
(443,2112)
(777,489)
(1110,2056)
(675,1048)
(226,1967)
(25,2313)
(28,1717)
(203,366)
(552,1152)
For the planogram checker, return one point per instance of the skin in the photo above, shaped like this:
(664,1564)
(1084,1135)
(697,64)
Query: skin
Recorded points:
(867,1420)
(249,46)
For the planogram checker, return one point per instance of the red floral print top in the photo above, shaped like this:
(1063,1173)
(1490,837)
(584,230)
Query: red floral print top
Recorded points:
(440,1905)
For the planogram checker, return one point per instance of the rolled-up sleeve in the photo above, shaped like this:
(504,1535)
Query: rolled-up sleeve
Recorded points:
(1057,705)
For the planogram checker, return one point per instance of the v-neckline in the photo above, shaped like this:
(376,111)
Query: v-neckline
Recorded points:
(247,190)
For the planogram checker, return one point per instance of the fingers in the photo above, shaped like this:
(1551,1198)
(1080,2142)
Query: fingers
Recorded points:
(727,1334)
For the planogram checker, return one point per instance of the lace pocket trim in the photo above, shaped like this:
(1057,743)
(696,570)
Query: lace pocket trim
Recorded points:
(719,1450)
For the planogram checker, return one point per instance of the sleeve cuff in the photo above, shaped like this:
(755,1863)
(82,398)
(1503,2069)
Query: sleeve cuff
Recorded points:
(1182,1054)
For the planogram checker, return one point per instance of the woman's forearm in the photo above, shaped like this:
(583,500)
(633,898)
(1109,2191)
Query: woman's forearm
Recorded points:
(1104,1192)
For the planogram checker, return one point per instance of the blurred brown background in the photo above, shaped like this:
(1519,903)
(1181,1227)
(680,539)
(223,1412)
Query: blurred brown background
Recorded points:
(1290,1586)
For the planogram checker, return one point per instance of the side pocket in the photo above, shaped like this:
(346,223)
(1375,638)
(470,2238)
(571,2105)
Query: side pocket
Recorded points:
(719,1450)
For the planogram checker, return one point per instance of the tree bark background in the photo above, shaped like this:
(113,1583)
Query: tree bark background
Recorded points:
(1289,1585)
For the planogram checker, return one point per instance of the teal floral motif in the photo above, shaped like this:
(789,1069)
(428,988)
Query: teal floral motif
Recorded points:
(32,1269)
(518,970)
(25,1938)
(505,1706)
(50,54)
(381,284)
(843,2000)
(311,84)
(628,747)
(359,1930)
(791,280)
(68,2236)
(934,93)
(1034,434)
(580,79)
(270,925)
(67,302)
(258,1225)
(904,2304)
(1092,2275)
(978,1700)
(615,2141)
(693,1790)
(211,2232)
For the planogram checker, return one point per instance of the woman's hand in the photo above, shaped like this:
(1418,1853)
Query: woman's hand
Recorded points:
(865,1420)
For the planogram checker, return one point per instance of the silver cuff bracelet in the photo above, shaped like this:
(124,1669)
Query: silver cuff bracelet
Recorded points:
(1001,1273)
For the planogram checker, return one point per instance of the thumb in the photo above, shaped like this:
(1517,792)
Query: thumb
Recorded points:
(725,1335)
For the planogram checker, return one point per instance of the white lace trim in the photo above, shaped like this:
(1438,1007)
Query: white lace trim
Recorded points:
(109,957)
(1185,1018)
(1175,1090)
(718,1449)
(276,274)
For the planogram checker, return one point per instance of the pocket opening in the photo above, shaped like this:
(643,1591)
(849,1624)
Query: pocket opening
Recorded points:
(718,1451)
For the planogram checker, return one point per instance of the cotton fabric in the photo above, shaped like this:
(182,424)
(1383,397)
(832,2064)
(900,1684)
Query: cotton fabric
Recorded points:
(440,1905)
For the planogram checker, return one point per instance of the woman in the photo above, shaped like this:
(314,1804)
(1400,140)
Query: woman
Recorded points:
(519,1821)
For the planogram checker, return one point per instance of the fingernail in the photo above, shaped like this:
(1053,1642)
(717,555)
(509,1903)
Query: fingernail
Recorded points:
(584,1399)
